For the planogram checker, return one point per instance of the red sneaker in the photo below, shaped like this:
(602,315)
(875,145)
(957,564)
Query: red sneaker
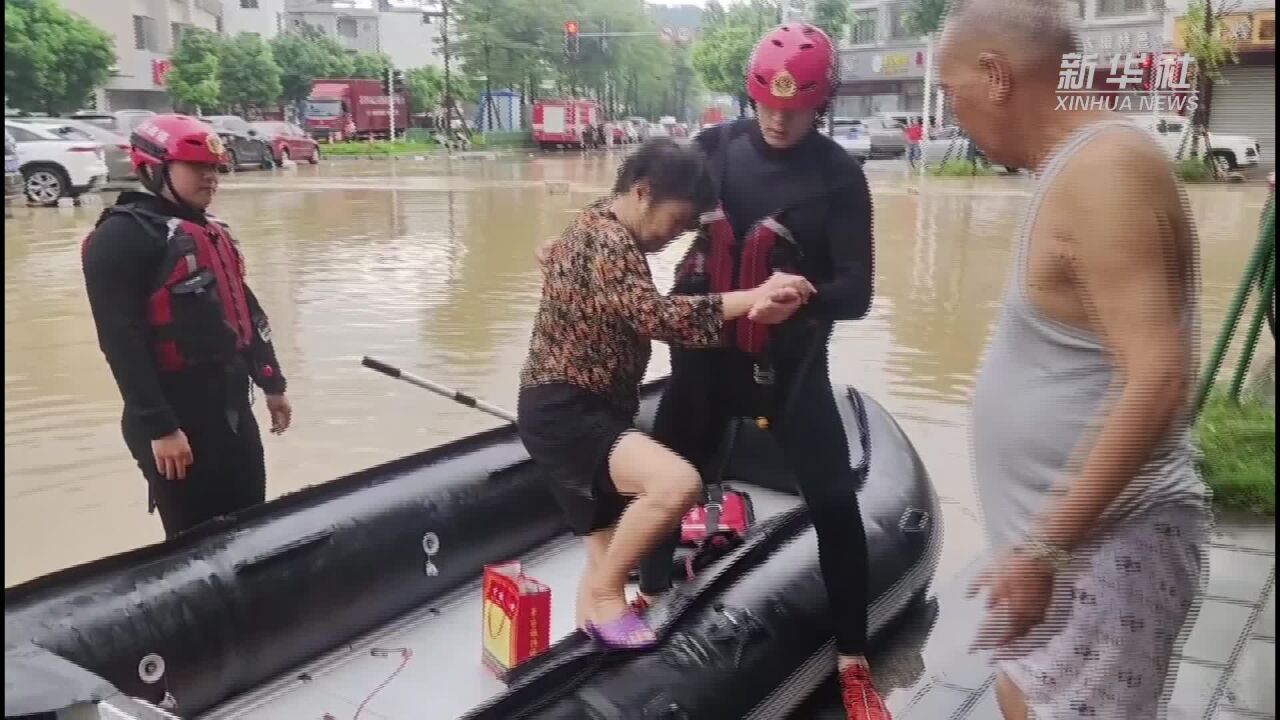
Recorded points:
(861,701)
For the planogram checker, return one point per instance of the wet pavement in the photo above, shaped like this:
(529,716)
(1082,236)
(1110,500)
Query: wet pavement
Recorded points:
(428,263)
(1225,667)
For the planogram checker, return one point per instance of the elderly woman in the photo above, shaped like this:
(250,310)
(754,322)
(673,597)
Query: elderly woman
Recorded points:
(618,488)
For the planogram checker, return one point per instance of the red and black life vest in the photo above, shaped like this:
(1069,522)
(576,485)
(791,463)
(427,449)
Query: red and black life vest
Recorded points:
(197,311)
(717,263)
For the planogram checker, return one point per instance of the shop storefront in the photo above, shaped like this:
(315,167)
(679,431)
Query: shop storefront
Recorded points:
(881,79)
(1116,46)
(1243,102)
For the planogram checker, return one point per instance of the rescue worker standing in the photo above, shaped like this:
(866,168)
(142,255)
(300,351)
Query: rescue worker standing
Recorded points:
(181,330)
(790,200)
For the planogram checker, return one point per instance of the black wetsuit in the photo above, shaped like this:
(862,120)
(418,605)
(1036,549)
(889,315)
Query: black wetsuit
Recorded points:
(122,262)
(828,209)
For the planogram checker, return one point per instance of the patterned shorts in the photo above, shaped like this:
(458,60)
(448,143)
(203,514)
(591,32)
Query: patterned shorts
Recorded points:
(1118,614)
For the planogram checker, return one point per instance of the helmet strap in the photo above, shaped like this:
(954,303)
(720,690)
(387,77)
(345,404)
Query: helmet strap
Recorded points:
(156,185)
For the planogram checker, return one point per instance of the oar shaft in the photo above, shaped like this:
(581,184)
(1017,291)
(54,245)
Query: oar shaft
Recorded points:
(459,397)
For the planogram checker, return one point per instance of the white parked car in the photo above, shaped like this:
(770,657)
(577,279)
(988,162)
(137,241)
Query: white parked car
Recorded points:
(950,143)
(1230,152)
(56,163)
(852,136)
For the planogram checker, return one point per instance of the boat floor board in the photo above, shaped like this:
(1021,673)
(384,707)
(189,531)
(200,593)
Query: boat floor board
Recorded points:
(444,677)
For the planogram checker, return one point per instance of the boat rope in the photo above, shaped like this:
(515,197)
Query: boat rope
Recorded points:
(406,655)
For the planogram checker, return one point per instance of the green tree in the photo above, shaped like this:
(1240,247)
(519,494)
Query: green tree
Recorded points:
(1205,37)
(53,59)
(370,65)
(925,16)
(425,88)
(304,56)
(720,59)
(248,73)
(193,79)
(832,16)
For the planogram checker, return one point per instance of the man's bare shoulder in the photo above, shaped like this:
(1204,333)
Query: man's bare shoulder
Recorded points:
(1119,164)
(1119,182)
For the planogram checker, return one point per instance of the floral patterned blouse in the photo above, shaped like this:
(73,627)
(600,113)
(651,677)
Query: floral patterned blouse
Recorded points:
(600,309)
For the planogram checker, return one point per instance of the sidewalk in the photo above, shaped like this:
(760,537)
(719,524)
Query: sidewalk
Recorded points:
(1226,668)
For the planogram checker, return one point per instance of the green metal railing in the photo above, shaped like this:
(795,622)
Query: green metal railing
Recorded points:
(1260,273)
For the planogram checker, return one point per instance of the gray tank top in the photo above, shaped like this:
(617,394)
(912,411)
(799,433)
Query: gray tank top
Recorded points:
(1040,386)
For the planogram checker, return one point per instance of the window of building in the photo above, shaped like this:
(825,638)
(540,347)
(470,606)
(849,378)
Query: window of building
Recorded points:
(176,30)
(144,33)
(347,27)
(217,24)
(862,26)
(248,4)
(898,23)
(1111,8)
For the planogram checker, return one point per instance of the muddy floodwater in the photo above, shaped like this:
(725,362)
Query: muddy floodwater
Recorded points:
(428,263)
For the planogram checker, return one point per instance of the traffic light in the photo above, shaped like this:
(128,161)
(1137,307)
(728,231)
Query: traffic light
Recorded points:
(571,37)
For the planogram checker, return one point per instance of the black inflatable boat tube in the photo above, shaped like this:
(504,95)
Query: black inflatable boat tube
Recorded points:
(238,602)
(233,604)
(753,637)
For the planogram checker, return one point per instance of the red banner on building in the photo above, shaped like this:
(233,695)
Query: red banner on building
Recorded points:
(159,68)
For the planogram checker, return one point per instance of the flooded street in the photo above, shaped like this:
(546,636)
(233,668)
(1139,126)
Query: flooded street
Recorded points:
(429,264)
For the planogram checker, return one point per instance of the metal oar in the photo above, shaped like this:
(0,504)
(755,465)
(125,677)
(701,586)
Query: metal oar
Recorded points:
(459,397)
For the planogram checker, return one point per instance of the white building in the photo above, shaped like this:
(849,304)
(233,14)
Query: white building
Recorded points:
(409,38)
(264,18)
(144,33)
(396,28)
(882,64)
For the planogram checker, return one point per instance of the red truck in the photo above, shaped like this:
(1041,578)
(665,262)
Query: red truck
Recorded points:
(350,108)
(564,122)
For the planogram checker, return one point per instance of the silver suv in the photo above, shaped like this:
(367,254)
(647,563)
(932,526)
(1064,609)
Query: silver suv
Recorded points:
(13,185)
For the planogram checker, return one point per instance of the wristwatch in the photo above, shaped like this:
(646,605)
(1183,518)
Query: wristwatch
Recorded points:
(1052,555)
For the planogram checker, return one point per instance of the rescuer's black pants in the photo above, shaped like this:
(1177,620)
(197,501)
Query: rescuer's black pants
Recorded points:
(229,471)
(707,390)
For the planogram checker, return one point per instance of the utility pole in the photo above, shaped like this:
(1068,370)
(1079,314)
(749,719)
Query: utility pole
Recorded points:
(448,88)
(443,15)
(391,102)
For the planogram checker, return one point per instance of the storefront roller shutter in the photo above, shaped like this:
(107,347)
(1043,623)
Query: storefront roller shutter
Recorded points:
(1245,105)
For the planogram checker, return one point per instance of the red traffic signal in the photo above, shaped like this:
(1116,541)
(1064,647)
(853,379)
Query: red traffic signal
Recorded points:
(571,45)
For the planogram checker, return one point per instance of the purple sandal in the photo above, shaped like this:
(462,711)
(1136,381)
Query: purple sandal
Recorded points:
(619,633)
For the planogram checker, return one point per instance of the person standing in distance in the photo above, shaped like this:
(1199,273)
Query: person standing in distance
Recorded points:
(181,331)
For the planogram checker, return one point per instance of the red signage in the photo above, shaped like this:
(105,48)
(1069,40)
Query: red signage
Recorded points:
(159,68)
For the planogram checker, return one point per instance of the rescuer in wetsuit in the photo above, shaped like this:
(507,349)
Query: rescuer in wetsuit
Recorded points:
(181,330)
(792,200)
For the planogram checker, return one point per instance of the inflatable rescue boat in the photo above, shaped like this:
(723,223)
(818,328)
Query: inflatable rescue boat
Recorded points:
(361,598)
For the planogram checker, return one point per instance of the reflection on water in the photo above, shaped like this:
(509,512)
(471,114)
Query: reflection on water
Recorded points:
(429,264)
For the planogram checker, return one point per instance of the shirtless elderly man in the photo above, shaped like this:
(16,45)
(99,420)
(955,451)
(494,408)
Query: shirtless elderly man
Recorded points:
(1080,428)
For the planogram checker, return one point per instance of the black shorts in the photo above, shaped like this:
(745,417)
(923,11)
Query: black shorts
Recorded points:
(570,432)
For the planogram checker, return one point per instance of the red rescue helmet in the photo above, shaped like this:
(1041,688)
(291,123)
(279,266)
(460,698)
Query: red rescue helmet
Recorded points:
(793,67)
(163,139)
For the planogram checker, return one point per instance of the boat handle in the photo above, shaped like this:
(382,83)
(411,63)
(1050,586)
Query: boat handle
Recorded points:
(307,542)
(914,520)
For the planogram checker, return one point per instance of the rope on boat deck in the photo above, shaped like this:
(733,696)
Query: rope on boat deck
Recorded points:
(405,656)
